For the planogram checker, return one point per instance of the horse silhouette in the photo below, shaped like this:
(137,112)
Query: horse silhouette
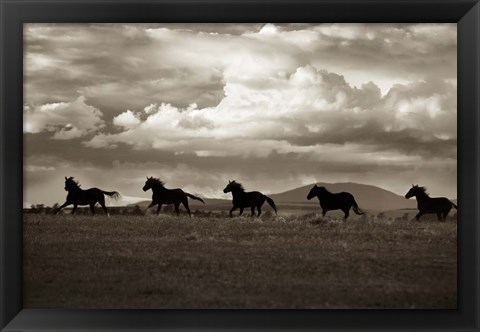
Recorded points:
(441,206)
(162,195)
(243,199)
(339,201)
(78,196)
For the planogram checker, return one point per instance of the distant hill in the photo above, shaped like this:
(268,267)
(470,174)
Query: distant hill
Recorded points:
(368,197)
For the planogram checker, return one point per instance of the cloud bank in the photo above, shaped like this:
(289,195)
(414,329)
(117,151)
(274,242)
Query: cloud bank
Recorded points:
(299,113)
(273,104)
(66,120)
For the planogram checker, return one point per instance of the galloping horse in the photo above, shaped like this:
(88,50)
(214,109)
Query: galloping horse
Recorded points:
(340,201)
(426,204)
(242,199)
(162,195)
(92,196)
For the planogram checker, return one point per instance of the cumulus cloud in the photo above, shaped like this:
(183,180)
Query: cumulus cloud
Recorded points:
(179,64)
(299,113)
(126,120)
(66,120)
(374,103)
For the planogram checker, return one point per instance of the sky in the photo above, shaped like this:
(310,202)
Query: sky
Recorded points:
(273,106)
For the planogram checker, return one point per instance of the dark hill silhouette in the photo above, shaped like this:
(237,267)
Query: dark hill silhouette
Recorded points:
(368,197)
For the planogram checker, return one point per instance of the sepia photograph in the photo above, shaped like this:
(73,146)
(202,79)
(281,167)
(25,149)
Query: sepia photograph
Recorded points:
(240,166)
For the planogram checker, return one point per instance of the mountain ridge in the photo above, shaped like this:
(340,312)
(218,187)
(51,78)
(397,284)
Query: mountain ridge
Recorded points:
(368,197)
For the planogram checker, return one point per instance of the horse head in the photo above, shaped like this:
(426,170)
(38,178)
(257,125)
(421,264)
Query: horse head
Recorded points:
(71,184)
(229,186)
(148,183)
(313,192)
(234,187)
(412,192)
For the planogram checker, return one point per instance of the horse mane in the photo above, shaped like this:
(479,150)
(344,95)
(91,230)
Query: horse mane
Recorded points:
(237,185)
(324,189)
(424,190)
(72,181)
(158,182)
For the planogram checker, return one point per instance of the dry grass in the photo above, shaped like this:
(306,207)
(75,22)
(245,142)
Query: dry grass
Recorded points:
(274,262)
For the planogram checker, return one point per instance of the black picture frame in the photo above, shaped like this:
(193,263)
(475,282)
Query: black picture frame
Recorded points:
(16,12)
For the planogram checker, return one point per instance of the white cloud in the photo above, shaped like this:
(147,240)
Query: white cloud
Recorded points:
(178,66)
(66,120)
(126,120)
(340,97)
(299,113)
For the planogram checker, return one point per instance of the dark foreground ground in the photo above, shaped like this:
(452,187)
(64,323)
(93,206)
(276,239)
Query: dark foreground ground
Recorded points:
(275,262)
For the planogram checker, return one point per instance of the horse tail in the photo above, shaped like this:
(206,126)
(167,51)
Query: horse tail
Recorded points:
(271,203)
(114,194)
(453,205)
(195,197)
(356,209)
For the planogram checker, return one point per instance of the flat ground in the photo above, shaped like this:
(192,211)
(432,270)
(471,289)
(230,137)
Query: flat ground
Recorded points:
(274,262)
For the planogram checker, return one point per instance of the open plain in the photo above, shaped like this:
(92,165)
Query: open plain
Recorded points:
(285,261)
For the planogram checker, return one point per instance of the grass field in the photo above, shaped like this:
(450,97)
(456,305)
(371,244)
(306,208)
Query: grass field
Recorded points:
(274,262)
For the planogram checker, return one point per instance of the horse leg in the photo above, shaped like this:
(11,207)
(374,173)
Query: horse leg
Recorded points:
(231,211)
(177,210)
(439,216)
(419,214)
(347,213)
(241,211)
(259,208)
(61,207)
(159,207)
(74,209)
(445,214)
(324,212)
(92,208)
(252,208)
(149,206)
(185,203)
(104,208)
(101,201)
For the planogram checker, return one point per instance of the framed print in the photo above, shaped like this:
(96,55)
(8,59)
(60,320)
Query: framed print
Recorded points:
(161,160)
